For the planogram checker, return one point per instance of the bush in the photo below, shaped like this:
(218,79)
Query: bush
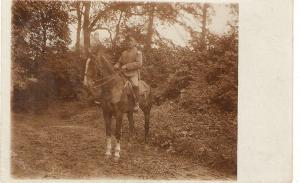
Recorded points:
(202,85)
(58,78)
(207,76)
(208,138)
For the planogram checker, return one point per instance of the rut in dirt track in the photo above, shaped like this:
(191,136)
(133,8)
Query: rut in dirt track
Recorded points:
(64,144)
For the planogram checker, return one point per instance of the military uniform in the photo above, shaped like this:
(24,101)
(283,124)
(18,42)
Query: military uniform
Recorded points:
(131,61)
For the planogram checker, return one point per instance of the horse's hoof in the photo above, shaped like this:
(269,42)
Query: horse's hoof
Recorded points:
(116,158)
(107,155)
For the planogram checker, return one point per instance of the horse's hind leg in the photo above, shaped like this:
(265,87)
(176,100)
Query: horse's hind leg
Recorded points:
(118,135)
(147,124)
(107,118)
(131,124)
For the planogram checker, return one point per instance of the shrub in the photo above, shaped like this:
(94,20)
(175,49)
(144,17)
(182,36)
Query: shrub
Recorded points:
(58,78)
(202,83)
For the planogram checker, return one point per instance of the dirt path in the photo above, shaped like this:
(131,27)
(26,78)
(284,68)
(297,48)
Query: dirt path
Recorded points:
(64,143)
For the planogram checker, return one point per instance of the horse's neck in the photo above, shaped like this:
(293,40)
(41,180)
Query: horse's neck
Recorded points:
(107,66)
(115,86)
(113,91)
(114,80)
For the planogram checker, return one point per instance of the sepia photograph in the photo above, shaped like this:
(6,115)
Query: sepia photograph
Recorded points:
(130,90)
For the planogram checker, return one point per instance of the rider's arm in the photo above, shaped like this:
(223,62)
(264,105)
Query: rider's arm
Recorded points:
(137,64)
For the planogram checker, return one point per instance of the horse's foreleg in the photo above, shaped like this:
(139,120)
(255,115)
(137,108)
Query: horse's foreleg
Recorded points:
(131,124)
(107,118)
(118,135)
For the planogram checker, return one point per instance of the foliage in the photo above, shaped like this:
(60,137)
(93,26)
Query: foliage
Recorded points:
(198,89)
(203,77)
(40,34)
(208,138)
(201,120)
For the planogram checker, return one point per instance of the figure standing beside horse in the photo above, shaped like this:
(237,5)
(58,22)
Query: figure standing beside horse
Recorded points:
(121,91)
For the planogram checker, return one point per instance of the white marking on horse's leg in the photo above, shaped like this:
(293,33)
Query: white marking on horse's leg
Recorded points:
(85,72)
(85,80)
(108,146)
(117,150)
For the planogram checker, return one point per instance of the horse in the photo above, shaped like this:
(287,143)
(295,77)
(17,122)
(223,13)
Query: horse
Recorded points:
(117,98)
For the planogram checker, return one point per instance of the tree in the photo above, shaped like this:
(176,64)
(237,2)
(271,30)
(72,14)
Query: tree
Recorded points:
(77,6)
(141,19)
(204,21)
(203,13)
(116,18)
(40,35)
(95,13)
(86,24)
(150,13)
(122,11)
(164,12)
(39,28)
(234,11)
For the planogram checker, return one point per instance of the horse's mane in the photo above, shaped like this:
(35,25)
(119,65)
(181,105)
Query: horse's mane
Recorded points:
(102,59)
(107,64)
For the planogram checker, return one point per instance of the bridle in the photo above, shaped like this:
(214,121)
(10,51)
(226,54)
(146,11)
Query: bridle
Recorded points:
(103,81)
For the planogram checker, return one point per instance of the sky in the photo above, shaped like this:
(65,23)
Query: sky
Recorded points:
(177,33)
(218,25)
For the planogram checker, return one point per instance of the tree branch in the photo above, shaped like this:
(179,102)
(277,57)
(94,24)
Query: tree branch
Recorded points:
(164,39)
(98,16)
(117,29)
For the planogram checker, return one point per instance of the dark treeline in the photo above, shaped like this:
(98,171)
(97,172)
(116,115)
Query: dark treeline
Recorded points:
(201,77)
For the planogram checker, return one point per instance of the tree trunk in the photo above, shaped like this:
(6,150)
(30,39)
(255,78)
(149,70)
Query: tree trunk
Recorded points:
(86,29)
(44,33)
(117,31)
(79,15)
(44,39)
(204,22)
(150,28)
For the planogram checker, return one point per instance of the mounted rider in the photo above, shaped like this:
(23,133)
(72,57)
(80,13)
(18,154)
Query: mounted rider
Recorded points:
(131,62)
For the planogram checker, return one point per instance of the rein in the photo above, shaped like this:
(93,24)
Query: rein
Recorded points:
(108,79)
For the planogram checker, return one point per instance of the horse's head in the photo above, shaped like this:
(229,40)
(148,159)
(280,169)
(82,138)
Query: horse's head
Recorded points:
(91,72)
(97,67)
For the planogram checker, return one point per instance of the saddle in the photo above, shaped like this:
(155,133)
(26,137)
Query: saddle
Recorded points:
(144,89)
